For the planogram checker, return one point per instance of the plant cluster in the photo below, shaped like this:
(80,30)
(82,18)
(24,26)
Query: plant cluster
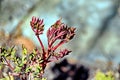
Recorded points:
(31,66)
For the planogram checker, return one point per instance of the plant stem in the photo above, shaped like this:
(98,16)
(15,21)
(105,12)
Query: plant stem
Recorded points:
(54,39)
(8,64)
(43,49)
(59,44)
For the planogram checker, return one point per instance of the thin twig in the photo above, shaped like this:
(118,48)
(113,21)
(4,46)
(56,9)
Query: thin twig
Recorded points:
(59,44)
(8,64)
(43,49)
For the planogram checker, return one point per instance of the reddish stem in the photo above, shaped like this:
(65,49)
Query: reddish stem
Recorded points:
(58,45)
(8,64)
(43,49)
(54,39)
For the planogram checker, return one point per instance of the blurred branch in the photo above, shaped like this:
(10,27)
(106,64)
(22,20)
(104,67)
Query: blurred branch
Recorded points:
(17,30)
(109,18)
(0,4)
(106,22)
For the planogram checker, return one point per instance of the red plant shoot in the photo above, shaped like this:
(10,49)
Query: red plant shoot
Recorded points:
(28,66)
(58,31)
